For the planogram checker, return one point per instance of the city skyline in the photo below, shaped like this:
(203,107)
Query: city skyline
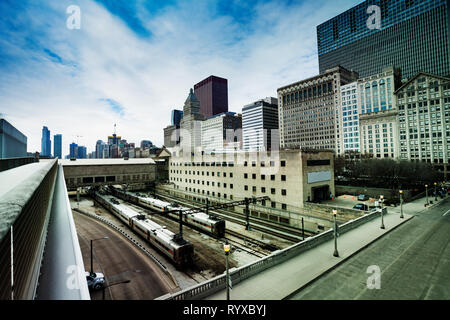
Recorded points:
(73,67)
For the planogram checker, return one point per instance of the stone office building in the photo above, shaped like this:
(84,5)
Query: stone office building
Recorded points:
(288,177)
(424,120)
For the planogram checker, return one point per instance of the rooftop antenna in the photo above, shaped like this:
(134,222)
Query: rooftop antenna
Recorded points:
(114,129)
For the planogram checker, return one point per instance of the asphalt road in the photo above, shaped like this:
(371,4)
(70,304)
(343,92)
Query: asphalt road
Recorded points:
(119,260)
(413,260)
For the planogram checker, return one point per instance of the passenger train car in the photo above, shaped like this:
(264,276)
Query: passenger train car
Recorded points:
(179,251)
(212,225)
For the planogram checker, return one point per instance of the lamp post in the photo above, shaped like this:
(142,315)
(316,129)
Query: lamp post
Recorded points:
(92,255)
(336,253)
(435,191)
(401,204)
(382,216)
(426,192)
(108,286)
(227,248)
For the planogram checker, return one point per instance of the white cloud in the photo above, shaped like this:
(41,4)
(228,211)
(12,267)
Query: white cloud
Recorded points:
(150,76)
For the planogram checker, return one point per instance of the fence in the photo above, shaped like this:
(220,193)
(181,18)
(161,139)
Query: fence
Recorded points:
(237,275)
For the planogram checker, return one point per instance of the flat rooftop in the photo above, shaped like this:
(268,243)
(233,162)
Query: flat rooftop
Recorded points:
(105,162)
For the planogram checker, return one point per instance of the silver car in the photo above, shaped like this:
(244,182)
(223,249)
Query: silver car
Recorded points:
(95,281)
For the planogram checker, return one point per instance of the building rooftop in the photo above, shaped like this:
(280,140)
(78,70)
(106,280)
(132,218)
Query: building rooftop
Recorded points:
(105,162)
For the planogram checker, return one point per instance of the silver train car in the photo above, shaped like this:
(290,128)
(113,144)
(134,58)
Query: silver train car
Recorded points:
(198,220)
(180,251)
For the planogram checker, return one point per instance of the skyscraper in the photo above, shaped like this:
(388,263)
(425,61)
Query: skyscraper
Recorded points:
(413,35)
(57,146)
(259,122)
(99,146)
(46,143)
(222,133)
(177,115)
(191,124)
(212,93)
(73,150)
(82,152)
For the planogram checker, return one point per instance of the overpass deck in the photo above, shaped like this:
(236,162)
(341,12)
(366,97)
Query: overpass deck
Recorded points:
(284,279)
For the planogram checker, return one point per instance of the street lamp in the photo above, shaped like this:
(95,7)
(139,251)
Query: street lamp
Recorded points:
(382,216)
(109,286)
(426,192)
(92,255)
(227,248)
(435,191)
(401,204)
(336,253)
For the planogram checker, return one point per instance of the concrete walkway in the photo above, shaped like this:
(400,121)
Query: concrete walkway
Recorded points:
(288,277)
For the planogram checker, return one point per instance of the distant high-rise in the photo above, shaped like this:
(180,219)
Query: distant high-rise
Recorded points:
(146,144)
(222,133)
(13,143)
(82,152)
(414,35)
(177,115)
(73,150)
(259,122)
(57,146)
(99,146)
(212,93)
(46,143)
(191,124)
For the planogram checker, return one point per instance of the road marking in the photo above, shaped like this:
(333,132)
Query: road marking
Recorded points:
(446,213)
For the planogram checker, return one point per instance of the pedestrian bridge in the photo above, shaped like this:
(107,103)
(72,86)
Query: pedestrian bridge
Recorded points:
(40,257)
(99,172)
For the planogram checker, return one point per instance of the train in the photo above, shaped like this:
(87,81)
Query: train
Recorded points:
(199,220)
(178,250)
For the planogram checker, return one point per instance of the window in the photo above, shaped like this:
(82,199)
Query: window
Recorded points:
(283,192)
(283,163)
(246,188)
(272,177)
(263,177)
(283,177)
(253,175)
(263,189)
(272,190)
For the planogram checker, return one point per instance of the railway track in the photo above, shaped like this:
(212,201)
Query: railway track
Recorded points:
(284,232)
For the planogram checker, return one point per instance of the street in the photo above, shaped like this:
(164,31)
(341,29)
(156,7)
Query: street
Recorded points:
(414,264)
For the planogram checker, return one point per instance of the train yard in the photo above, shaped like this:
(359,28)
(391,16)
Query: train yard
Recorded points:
(193,250)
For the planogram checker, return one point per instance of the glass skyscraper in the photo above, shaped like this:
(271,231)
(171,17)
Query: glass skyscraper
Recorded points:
(46,143)
(177,115)
(57,146)
(414,35)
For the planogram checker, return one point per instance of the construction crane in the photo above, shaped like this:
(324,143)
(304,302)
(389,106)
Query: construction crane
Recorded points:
(245,201)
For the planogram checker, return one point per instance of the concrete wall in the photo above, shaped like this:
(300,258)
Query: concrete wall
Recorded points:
(371,192)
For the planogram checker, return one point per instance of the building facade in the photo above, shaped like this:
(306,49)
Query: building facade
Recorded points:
(424,120)
(347,120)
(73,148)
(57,146)
(222,133)
(191,124)
(13,143)
(412,35)
(288,177)
(176,117)
(212,93)
(46,143)
(307,110)
(260,125)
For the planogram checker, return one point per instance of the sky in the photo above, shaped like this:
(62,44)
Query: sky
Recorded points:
(131,62)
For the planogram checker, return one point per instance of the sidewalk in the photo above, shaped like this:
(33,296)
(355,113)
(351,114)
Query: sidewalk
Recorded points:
(416,206)
(282,280)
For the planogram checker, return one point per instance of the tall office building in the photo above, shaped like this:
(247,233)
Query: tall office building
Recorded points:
(222,133)
(46,143)
(191,124)
(414,35)
(177,115)
(212,93)
(424,120)
(306,110)
(99,146)
(57,146)
(82,152)
(260,125)
(73,151)
(13,143)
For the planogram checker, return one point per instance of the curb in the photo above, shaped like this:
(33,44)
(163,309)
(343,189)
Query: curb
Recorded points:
(344,260)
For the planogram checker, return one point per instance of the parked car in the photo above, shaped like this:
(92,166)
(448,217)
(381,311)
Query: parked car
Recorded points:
(361,206)
(95,281)
(363,197)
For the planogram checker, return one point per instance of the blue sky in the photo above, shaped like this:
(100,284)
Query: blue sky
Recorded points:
(132,62)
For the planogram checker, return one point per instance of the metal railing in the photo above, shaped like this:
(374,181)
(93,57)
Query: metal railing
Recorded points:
(237,275)
(11,163)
